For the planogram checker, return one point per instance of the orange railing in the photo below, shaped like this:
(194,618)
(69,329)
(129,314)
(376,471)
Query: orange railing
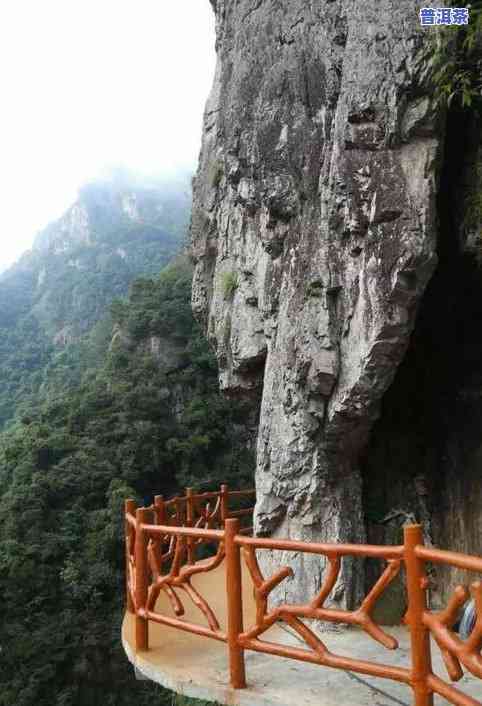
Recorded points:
(170,534)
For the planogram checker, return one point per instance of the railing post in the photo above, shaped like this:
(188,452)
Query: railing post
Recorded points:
(190,523)
(142,624)
(160,510)
(235,604)
(161,519)
(129,509)
(178,517)
(417,604)
(224,503)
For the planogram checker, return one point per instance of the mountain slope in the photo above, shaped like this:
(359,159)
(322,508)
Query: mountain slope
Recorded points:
(143,423)
(58,291)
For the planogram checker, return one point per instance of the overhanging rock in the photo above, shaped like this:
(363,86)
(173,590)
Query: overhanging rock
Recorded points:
(314,238)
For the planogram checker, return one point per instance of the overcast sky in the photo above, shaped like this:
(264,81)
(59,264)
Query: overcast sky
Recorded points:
(88,84)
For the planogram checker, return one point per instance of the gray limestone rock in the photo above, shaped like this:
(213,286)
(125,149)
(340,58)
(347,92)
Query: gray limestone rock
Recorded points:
(316,188)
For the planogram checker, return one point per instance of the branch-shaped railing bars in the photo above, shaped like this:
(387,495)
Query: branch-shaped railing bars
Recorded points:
(163,544)
(315,610)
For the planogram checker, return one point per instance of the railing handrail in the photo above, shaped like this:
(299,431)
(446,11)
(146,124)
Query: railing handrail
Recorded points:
(327,549)
(193,532)
(442,556)
(151,543)
(437,556)
(207,496)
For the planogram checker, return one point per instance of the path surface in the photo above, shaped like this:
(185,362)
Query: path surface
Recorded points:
(198,667)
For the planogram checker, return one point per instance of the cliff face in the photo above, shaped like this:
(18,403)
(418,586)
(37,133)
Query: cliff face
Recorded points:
(314,238)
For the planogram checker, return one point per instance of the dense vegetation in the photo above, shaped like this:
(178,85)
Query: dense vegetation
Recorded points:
(138,422)
(452,61)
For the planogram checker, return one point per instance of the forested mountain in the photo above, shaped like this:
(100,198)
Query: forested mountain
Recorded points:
(110,391)
(57,292)
(148,419)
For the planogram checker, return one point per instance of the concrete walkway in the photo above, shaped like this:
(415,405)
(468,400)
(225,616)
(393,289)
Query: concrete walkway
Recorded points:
(198,667)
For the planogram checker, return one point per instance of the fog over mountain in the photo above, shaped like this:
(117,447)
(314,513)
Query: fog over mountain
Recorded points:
(88,84)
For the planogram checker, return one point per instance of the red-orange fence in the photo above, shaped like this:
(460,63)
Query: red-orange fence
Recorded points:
(185,524)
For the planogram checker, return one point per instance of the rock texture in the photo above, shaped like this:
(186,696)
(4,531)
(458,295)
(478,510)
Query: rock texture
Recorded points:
(314,237)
